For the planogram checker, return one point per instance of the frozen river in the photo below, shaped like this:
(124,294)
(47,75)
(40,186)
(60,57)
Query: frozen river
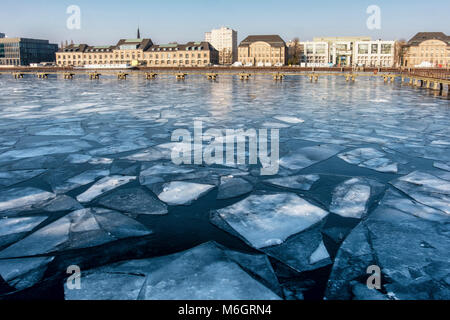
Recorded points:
(86,179)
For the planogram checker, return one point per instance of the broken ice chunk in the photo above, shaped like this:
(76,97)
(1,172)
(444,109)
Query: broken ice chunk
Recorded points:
(16,198)
(394,200)
(104,185)
(301,251)
(204,273)
(320,254)
(307,156)
(299,182)
(79,229)
(134,201)
(267,220)
(79,180)
(25,272)
(231,187)
(350,198)
(370,158)
(426,189)
(183,193)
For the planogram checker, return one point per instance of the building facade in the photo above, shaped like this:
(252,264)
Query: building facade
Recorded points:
(139,52)
(374,53)
(428,49)
(224,40)
(314,54)
(341,49)
(23,51)
(262,50)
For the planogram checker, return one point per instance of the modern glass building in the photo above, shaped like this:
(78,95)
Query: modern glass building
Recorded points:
(23,51)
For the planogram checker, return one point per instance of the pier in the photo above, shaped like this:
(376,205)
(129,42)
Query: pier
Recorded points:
(437,81)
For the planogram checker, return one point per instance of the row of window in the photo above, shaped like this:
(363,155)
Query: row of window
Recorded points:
(149,62)
(132,56)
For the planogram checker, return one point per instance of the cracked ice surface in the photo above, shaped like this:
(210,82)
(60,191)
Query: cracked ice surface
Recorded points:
(58,141)
(267,220)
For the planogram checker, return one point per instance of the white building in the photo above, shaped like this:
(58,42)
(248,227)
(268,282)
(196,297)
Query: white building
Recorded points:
(374,53)
(314,53)
(224,40)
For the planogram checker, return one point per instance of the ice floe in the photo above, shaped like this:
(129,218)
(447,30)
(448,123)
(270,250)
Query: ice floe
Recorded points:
(182,193)
(350,198)
(134,201)
(426,189)
(267,220)
(370,158)
(231,187)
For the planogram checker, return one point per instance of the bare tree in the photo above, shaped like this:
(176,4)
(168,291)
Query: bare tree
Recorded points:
(294,52)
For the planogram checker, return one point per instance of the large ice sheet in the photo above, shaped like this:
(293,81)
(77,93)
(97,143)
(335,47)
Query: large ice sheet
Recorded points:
(267,220)
(412,252)
(206,272)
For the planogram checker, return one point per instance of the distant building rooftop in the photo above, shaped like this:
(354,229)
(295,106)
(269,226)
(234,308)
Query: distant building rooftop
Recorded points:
(424,36)
(273,40)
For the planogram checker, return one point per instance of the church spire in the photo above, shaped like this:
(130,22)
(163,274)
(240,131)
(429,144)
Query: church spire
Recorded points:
(138,33)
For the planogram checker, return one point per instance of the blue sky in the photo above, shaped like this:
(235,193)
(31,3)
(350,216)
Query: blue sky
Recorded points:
(104,22)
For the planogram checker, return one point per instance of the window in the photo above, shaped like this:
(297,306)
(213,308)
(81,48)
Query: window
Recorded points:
(374,48)
(386,48)
(363,49)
